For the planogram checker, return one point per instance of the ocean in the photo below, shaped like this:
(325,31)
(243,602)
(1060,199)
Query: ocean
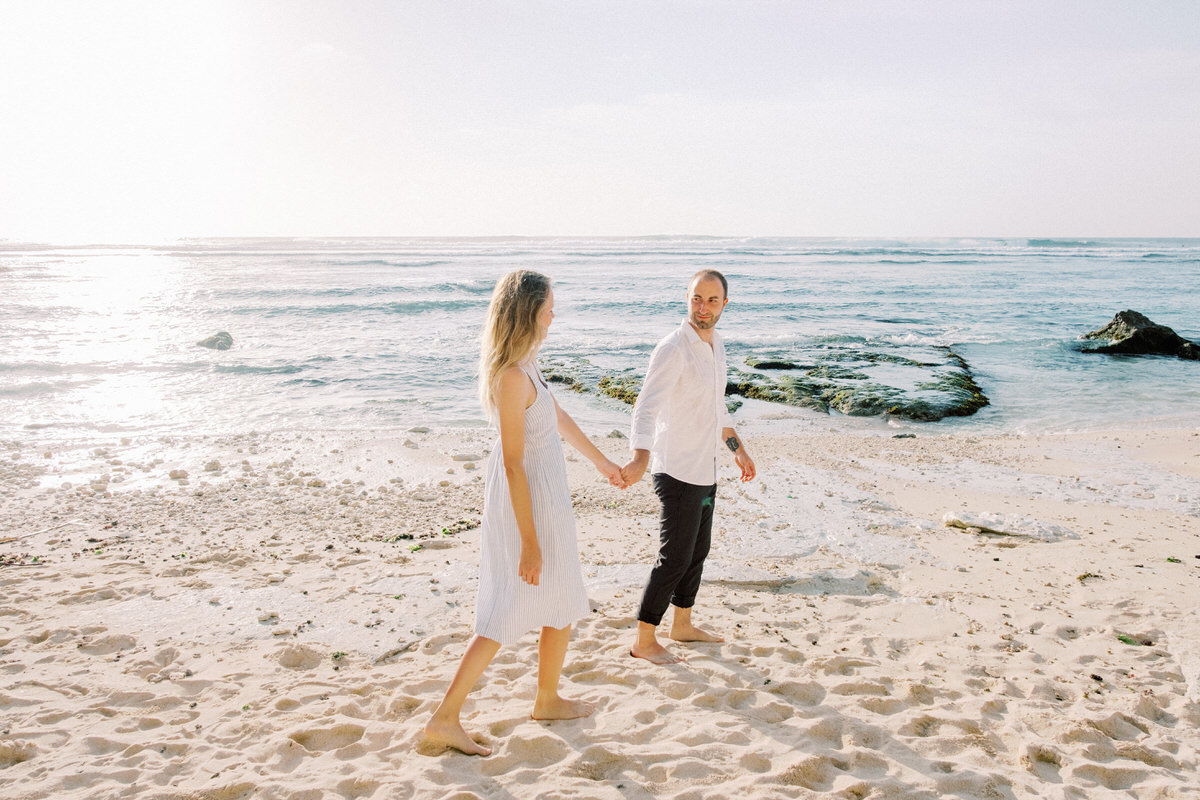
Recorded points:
(381,334)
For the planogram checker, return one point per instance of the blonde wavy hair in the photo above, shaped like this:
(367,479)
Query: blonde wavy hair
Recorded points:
(511,333)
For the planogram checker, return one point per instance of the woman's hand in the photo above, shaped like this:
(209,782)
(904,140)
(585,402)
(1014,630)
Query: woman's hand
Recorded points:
(530,565)
(611,471)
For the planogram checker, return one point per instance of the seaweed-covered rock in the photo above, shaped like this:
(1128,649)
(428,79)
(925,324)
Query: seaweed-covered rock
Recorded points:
(784,389)
(769,363)
(1133,333)
(623,388)
(917,393)
(867,400)
(854,380)
(959,387)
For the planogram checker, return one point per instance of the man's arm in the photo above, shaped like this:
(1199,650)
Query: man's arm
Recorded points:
(661,375)
(740,456)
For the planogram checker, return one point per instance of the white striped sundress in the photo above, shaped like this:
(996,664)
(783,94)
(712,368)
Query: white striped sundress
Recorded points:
(507,607)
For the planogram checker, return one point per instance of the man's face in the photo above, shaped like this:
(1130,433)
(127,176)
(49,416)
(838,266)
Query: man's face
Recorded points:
(706,301)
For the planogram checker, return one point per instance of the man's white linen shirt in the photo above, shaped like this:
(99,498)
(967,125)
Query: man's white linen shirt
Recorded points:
(681,410)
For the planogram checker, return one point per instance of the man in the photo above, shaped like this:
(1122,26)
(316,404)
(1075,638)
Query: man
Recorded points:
(679,422)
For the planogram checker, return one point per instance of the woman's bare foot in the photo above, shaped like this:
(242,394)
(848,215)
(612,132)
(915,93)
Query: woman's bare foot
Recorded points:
(561,708)
(440,735)
(690,633)
(655,654)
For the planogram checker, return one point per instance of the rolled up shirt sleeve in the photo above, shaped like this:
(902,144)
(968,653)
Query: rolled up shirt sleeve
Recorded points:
(666,364)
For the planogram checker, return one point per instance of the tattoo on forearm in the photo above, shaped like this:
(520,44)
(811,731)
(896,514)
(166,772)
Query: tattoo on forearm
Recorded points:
(732,443)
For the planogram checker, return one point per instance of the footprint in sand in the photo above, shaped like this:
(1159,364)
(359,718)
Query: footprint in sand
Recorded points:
(842,665)
(526,752)
(16,752)
(815,774)
(1109,776)
(754,762)
(596,763)
(1120,726)
(320,740)
(804,694)
(403,707)
(923,727)
(105,645)
(92,595)
(861,688)
(299,657)
(352,788)
(1044,761)
(884,706)
(972,784)
(828,732)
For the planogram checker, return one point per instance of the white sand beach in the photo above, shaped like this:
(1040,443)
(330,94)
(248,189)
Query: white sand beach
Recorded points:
(281,623)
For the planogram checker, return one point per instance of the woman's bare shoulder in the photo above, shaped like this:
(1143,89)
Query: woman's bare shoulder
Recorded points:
(515,382)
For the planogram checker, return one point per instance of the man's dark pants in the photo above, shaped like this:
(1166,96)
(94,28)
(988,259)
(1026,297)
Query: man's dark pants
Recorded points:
(685,532)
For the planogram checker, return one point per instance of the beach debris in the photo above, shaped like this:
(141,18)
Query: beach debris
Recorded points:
(1174,560)
(1135,641)
(466,457)
(460,526)
(399,650)
(1007,525)
(221,340)
(904,436)
(8,539)
(1133,333)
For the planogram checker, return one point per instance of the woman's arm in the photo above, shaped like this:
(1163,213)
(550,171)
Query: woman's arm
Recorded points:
(516,394)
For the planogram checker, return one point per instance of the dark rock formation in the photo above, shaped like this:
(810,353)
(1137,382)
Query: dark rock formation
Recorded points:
(218,341)
(952,392)
(1134,334)
(767,363)
(624,388)
(833,381)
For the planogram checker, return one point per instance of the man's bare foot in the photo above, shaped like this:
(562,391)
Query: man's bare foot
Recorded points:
(690,633)
(561,708)
(441,735)
(655,654)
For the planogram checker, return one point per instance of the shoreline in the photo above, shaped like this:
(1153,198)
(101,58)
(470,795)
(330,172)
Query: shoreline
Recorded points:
(265,629)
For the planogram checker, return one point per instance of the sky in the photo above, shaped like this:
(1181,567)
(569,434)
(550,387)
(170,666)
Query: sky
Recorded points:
(144,121)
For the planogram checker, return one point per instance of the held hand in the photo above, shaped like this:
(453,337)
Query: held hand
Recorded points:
(633,472)
(611,471)
(530,565)
(746,465)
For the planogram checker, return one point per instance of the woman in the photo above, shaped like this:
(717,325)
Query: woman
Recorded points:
(529,571)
